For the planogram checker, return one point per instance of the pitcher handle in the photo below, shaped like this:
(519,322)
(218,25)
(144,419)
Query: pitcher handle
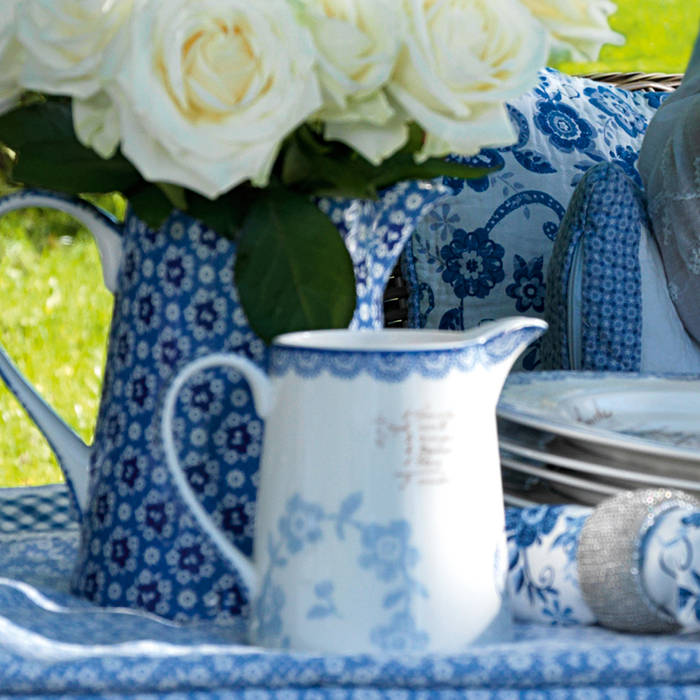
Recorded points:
(72,453)
(264,399)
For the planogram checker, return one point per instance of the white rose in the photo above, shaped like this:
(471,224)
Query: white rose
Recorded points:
(211,88)
(578,28)
(358,42)
(96,123)
(10,57)
(72,46)
(462,60)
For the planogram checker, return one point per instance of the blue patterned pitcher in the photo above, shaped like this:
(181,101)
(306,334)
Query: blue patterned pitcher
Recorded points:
(176,300)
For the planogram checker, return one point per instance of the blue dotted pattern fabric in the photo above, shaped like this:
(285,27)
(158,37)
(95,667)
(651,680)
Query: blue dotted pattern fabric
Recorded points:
(32,510)
(483,252)
(604,221)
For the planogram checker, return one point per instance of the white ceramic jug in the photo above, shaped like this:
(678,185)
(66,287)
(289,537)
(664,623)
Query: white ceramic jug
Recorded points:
(380,521)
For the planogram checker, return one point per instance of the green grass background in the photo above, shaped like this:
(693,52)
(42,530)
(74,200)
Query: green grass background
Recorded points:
(55,311)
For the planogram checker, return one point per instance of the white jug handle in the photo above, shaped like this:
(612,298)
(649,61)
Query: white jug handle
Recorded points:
(264,399)
(72,453)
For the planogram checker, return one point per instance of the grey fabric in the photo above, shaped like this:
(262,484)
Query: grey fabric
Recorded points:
(669,163)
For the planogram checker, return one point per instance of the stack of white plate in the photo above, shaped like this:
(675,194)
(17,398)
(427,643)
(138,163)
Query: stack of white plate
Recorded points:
(579,437)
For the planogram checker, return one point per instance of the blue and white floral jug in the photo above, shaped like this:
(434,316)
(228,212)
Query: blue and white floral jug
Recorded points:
(380,519)
(175,300)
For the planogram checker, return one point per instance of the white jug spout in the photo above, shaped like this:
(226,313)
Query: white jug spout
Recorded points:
(503,341)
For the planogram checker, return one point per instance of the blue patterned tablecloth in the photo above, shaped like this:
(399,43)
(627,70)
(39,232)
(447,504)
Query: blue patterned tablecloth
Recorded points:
(53,644)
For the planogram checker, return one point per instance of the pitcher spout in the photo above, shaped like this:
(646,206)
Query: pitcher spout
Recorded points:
(375,232)
(502,342)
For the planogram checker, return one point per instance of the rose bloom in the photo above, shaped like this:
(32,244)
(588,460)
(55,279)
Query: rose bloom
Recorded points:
(10,57)
(210,89)
(462,60)
(578,28)
(72,46)
(358,42)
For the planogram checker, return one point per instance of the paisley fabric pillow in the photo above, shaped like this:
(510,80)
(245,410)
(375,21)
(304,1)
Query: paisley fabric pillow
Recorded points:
(483,252)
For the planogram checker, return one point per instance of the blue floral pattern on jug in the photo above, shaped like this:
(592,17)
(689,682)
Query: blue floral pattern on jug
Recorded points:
(176,300)
(385,551)
(395,366)
(469,258)
(375,233)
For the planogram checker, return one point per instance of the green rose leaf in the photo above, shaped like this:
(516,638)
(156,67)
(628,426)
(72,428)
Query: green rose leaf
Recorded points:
(71,168)
(403,167)
(37,122)
(325,168)
(226,213)
(50,156)
(175,194)
(329,168)
(150,204)
(292,269)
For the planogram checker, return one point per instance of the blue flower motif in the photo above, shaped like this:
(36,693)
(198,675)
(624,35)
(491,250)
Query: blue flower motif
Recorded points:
(232,600)
(473,263)
(559,615)
(566,129)
(130,266)
(656,99)
(452,320)
(191,558)
(120,551)
(528,286)
(690,598)
(442,220)
(122,346)
(202,396)
(269,607)
(198,475)
(301,524)
(237,438)
(130,471)
(170,352)
(148,595)
(626,158)
(156,517)
(102,507)
(235,519)
(529,524)
(400,635)
(426,303)
(386,549)
(486,158)
(608,101)
(693,519)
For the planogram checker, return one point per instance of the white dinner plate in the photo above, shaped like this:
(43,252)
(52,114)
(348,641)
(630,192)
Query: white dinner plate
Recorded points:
(609,413)
(564,486)
(640,471)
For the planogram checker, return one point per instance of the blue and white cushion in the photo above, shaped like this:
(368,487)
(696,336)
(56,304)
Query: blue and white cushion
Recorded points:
(607,301)
(483,253)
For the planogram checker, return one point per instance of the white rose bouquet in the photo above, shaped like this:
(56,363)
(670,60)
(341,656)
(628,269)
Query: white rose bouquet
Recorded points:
(229,108)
